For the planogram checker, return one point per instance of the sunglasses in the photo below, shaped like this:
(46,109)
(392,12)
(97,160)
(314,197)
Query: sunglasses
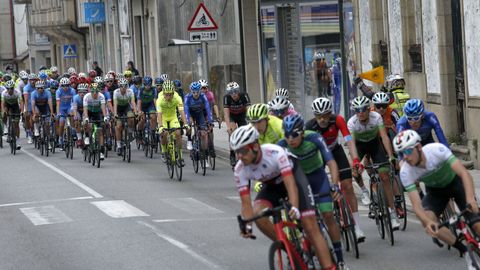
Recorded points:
(233,92)
(279,112)
(293,134)
(168,94)
(361,110)
(407,151)
(381,106)
(244,150)
(40,88)
(65,85)
(195,92)
(108,81)
(414,118)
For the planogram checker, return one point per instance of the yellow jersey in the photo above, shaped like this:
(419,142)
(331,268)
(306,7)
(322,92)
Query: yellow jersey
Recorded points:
(274,131)
(169,108)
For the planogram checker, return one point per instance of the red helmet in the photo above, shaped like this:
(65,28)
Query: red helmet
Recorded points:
(111,72)
(92,73)
(74,80)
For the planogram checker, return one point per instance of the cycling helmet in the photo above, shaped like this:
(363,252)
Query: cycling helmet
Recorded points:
(321,106)
(94,88)
(82,75)
(282,92)
(53,69)
(23,75)
(243,136)
(42,75)
(381,98)
(164,77)
(279,103)
(111,72)
(232,87)
(32,76)
(123,82)
(7,77)
(108,78)
(257,112)
(98,79)
(64,81)
(82,88)
(40,84)
(195,86)
(168,87)
(10,84)
(158,81)
(120,76)
(360,102)
(177,83)
(413,107)
(406,139)
(203,83)
(54,84)
(92,73)
(138,80)
(293,123)
(395,81)
(74,80)
(147,80)
(71,71)
(127,73)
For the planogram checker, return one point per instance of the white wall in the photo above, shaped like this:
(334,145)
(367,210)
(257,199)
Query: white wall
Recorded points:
(20,15)
(365,35)
(430,42)
(471,12)
(395,36)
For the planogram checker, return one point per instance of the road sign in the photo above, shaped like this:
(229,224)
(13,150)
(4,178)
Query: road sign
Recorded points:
(94,12)
(202,20)
(203,36)
(69,51)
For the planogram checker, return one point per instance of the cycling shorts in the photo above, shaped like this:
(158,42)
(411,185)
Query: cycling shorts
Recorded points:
(342,162)
(149,108)
(13,109)
(320,185)
(239,119)
(374,148)
(170,123)
(43,109)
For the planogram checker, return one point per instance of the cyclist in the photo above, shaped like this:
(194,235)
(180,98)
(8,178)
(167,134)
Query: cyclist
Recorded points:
(124,105)
(280,107)
(54,73)
(235,105)
(422,121)
(64,97)
(369,135)
(269,127)
(41,105)
(329,125)
(389,115)
(168,102)
(12,103)
(109,81)
(27,97)
(196,104)
(158,84)
(211,100)
(282,177)
(94,104)
(77,110)
(128,75)
(147,98)
(313,154)
(444,177)
(136,85)
(179,89)
(21,81)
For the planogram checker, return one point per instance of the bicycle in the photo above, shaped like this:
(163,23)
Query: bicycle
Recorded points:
(92,151)
(149,138)
(198,155)
(344,217)
(68,141)
(379,204)
(44,135)
(399,200)
(211,158)
(465,233)
(173,155)
(126,140)
(287,252)
(12,134)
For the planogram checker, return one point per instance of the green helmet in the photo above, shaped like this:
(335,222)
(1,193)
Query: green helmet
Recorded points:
(168,87)
(257,112)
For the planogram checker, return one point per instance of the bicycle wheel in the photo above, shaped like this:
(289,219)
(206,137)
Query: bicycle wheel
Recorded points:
(278,257)
(66,143)
(170,164)
(98,157)
(211,160)
(402,202)
(85,154)
(47,146)
(348,226)
(146,147)
(194,157)
(474,253)
(377,208)
(71,143)
(203,162)
(387,222)
(178,168)
(129,152)
(13,139)
(1,134)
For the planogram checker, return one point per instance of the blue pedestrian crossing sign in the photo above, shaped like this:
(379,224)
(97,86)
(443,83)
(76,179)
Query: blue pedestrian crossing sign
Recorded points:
(94,12)
(69,51)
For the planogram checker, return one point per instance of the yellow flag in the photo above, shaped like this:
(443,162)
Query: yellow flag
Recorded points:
(375,75)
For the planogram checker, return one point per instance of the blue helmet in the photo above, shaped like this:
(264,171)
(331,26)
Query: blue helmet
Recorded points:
(177,83)
(293,123)
(413,107)
(42,75)
(54,84)
(195,87)
(158,81)
(147,80)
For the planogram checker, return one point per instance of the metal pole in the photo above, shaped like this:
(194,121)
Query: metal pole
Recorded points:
(205,61)
(344,60)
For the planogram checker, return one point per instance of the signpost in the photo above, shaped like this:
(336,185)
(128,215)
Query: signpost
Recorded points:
(70,51)
(94,12)
(203,28)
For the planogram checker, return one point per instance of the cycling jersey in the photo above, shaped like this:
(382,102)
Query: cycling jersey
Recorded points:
(429,122)
(41,100)
(147,96)
(65,98)
(398,99)
(312,153)
(135,89)
(195,108)
(77,103)
(238,107)
(365,132)
(28,89)
(93,105)
(336,123)
(123,100)
(106,94)
(169,108)
(211,98)
(274,131)
(11,100)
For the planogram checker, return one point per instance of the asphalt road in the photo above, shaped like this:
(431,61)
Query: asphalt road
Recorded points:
(65,214)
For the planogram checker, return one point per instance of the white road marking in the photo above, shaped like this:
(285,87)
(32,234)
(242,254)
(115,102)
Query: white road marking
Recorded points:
(192,219)
(234,198)
(66,175)
(119,209)
(47,201)
(44,215)
(180,245)
(192,206)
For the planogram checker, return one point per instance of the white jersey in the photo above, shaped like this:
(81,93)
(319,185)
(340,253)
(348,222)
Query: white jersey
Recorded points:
(365,132)
(437,172)
(123,100)
(13,99)
(274,163)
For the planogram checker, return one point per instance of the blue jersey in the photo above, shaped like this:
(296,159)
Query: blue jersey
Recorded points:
(106,94)
(429,122)
(65,97)
(194,106)
(134,89)
(77,103)
(28,89)
(41,99)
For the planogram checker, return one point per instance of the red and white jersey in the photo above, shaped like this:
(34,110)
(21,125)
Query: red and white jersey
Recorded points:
(273,164)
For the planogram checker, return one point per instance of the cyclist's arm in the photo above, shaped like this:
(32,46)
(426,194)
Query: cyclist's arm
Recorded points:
(215,109)
(34,110)
(132,103)
(115,104)
(159,112)
(57,95)
(50,105)
(207,107)
(20,103)
(395,117)
(2,107)
(186,108)
(291,187)
(102,105)
(139,101)
(26,97)
(342,126)
(467,181)
(247,209)
(226,111)
(386,141)
(85,107)
(438,130)
(417,206)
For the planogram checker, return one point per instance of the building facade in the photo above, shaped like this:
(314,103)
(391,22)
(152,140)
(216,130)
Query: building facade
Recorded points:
(13,32)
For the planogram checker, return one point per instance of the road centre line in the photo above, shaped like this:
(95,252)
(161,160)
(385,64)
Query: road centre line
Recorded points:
(47,201)
(180,245)
(66,175)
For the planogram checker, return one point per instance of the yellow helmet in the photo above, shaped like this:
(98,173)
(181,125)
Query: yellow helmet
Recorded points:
(168,87)
(127,73)
(257,112)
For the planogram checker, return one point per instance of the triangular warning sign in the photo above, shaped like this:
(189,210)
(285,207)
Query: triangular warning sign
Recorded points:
(202,20)
(375,75)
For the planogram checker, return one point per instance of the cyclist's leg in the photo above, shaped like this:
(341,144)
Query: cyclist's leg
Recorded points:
(200,120)
(174,123)
(380,156)
(268,197)
(459,195)
(164,136)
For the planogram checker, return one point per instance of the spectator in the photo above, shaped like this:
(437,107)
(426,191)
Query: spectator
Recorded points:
(97,68)
(131,67)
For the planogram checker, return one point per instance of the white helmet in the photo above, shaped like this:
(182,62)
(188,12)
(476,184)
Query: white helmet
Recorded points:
(109,77)
(321,105)
(242,136)
(10,84)
(82,88)
(405,140)
(232,86)
(64,81)
(53,69)
(82,75)
(23,75)
(123,82)
(71,70)
(395,81)
(164,77)
(98,79)
(203,83)
(360,102)
(40,84)
(381,98)
(279,103)
(282,92)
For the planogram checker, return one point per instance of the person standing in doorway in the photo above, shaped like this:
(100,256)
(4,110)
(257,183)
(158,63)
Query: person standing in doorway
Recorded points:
(131,67)
(97,69)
